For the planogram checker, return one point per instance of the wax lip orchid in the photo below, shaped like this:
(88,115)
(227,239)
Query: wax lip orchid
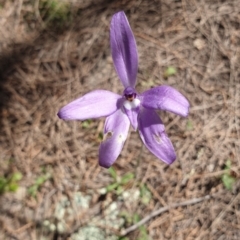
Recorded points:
(130,108)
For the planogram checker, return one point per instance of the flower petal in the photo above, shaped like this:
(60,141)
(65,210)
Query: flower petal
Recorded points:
(152,133)
(99,103)
(124,49)
(166,98)
(115,134)
(132,110)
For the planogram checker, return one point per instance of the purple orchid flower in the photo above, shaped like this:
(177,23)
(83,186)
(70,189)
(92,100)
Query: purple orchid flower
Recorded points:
(131,107)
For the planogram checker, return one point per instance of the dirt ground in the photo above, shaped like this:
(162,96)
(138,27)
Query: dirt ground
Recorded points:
(52,53)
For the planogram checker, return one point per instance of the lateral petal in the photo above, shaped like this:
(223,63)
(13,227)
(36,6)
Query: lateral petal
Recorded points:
(165,98)
(152,133)
(99,103)
(115,134)
(124,49)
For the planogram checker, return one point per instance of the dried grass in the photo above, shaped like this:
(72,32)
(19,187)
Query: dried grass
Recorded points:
(42,69)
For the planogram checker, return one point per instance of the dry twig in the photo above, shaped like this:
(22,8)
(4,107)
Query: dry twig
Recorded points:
(161,210)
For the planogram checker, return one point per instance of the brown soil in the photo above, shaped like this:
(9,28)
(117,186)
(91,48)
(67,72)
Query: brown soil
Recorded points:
(44,65)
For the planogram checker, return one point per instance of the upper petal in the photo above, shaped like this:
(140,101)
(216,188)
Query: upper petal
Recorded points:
(99,103)
(166,98)
(115,134)
(152,133)
(124,49)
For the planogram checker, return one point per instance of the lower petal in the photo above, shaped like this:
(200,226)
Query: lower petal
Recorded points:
(132,109)
(99,103)
(115,134)
(152,133)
